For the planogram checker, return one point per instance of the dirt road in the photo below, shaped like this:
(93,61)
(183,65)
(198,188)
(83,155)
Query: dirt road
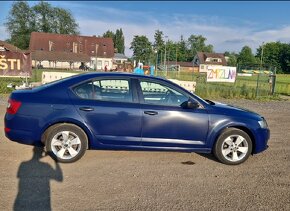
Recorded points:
(123,180)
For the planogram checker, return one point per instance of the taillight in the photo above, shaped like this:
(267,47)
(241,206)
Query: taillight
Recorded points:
(7,130)
(13,106)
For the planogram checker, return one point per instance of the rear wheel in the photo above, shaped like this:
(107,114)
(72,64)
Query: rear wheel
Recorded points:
(233,147)
(66,143)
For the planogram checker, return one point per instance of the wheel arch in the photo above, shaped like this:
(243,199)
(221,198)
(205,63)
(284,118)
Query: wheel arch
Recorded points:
(240,127)
(81,125)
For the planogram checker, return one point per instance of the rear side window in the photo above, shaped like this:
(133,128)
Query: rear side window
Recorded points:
(117,90)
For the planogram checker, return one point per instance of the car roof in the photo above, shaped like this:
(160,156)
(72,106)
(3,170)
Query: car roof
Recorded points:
(87,76)
(69,81)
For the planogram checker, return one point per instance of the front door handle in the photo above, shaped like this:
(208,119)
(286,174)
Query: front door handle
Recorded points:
(151,112)
(86,109)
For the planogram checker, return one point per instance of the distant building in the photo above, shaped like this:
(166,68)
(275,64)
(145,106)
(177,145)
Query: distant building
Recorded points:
(203,58)
(4,46)
(182,66)
(70,51)
(120,58)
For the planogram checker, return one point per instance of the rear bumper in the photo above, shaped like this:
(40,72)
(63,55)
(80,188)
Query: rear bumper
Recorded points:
(23,137)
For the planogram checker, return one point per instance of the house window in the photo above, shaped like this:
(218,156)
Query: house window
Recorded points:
(67,46)
(97,46)
(100,63)
(75,47)
(209,59)
(50,45)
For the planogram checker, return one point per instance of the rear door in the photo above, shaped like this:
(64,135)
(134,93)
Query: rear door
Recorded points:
(110,109)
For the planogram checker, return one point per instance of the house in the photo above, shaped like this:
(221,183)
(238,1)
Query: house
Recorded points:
(120,58)
(181,66)
(4,46)
(71,51)
(203,58)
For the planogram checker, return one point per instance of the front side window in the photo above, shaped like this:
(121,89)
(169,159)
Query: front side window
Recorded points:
(159,94)
(117,90)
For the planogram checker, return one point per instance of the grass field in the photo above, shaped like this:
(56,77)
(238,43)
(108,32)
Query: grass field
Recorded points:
(244,87)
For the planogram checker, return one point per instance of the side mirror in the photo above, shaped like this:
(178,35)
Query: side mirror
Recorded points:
(189,104)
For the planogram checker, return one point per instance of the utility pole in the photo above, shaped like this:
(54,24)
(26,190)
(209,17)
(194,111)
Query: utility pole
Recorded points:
(261,62)
(165,56)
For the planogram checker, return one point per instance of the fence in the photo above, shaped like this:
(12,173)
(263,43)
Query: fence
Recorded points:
(247,85)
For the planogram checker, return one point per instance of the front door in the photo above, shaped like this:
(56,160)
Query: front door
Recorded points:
(165,123)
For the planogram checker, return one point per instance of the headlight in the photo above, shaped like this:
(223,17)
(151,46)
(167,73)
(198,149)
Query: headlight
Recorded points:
(263,123)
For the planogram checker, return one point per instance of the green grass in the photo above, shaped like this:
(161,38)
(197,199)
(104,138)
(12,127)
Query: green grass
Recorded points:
(244,87)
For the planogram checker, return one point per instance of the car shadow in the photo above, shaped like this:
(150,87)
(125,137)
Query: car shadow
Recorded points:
(34,182)
(209,156)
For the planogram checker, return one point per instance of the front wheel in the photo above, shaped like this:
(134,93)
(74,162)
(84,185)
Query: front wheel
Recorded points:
(233,146)
(66,143)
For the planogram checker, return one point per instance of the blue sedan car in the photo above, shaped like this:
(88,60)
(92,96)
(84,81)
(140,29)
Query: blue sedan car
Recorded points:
(128,111)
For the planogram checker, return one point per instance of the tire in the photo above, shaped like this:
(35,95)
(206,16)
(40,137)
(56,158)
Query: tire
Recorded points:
(65,143)
(233,147)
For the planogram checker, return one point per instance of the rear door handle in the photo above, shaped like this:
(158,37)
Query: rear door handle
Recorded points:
(86,109)
(151,112)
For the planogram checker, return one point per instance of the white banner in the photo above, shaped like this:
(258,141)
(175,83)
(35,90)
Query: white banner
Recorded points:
(216,73)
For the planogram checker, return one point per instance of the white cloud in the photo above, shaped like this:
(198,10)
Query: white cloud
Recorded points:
(221,36)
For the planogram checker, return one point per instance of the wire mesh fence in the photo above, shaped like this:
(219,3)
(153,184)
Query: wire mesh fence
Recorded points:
(250,83)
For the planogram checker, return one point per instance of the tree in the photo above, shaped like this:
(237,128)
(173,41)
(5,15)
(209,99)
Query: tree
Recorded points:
(158,44)
(64,22)
(232,58)
(246,57)
(197,43)
(109,34)
(158,41)
(285,58)
(20,23)
(119,41)
(22,20)
(43,17)
(182,51)
(142,49)
(172,50)
(275,54)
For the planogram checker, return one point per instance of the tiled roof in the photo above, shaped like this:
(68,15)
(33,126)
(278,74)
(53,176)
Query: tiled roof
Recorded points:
(9,47)
(120,56)
(59,56)
(203,56)
(182,64)
(91,46)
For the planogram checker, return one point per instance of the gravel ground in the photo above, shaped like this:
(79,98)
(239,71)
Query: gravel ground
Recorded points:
(124,180)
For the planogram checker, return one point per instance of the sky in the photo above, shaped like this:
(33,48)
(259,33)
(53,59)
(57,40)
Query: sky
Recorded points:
(227,25)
